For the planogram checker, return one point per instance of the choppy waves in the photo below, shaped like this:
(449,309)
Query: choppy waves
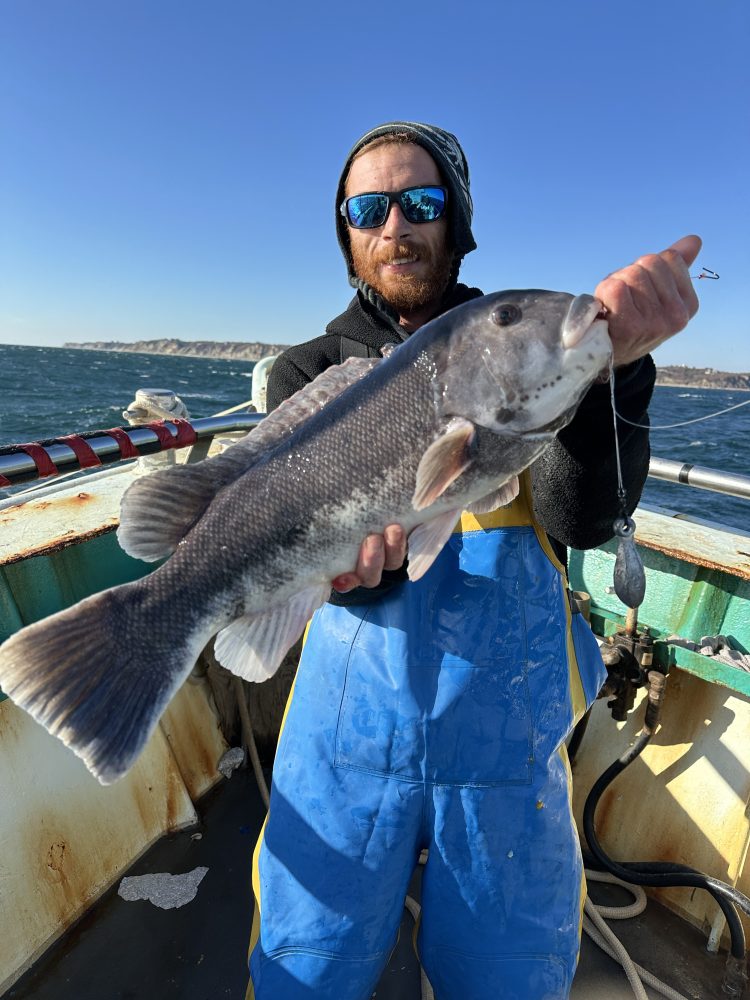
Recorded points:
(53,391)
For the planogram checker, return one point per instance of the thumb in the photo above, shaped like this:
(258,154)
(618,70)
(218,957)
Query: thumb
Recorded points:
(688,248)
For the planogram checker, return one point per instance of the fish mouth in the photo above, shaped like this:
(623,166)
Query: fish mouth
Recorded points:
(583,311)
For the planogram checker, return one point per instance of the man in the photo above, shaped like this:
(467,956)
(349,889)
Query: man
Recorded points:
(433,714)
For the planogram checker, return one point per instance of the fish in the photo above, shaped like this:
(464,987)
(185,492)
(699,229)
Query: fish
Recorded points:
(250,540)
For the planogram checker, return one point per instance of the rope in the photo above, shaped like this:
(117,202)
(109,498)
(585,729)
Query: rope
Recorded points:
(154,404)
(604,938)
(718,647)
(249,737)
(415,909)
(149,406)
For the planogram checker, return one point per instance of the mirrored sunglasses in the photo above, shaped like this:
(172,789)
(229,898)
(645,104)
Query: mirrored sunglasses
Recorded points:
(419,204)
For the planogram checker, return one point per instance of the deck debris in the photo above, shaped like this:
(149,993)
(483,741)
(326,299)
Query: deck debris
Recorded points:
(230,761)
(166,891)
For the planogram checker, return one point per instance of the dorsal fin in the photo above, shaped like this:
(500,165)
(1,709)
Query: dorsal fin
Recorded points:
(158,510)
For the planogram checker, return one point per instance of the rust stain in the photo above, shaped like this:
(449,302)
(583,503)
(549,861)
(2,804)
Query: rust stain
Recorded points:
(174,794)
(64,541)
(66,882)
(192,732)
(742,571)
(56,857)
(160,803)
(10,720)
(143,800)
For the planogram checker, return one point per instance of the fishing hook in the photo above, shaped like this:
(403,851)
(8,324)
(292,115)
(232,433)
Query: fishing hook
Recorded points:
(706,272)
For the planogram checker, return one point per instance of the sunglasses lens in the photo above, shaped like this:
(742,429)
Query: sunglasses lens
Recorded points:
(423,204)
(366,211)
(419,204)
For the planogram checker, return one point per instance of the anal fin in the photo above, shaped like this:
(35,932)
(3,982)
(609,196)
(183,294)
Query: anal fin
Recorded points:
(253,646)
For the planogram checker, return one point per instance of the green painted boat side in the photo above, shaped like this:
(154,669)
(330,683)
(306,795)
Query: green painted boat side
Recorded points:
(682,599)
(41,585)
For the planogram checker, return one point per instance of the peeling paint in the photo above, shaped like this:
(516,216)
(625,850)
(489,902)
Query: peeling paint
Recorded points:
(738,568)
(55,521)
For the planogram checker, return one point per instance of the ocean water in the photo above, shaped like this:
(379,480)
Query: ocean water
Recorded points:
(50,391)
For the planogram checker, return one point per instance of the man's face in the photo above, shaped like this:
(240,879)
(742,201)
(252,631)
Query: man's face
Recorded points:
(407,263)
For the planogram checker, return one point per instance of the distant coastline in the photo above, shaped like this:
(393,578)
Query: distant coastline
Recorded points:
(678,376)
(684,377)
(227,350)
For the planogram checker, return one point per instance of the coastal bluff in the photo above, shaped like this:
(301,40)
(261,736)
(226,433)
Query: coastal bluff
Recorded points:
(226,350)
(676,375)
(702,378)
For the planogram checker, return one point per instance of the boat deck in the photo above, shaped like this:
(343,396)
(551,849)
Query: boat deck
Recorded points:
(134,951)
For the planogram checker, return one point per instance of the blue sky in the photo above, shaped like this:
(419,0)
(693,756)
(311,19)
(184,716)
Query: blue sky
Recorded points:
(168,169)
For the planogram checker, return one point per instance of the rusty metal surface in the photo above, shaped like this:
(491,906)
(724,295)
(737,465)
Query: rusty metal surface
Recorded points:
(64,838)
(192,731)
(686,798)
(53,522)
(695,543)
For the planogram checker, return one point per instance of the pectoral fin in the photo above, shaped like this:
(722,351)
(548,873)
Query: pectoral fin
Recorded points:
(443,462)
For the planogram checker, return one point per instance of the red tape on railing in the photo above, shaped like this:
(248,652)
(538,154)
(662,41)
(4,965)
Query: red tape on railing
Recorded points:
(127,448)
(44,464)
(87,457)
(185,433)
(162,432)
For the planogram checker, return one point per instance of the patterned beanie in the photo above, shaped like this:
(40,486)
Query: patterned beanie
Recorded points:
(445,150)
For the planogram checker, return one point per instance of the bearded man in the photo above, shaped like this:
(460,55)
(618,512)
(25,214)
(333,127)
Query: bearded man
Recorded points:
(432,715)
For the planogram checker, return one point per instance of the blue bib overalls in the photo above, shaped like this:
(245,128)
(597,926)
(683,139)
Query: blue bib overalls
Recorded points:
(433,718)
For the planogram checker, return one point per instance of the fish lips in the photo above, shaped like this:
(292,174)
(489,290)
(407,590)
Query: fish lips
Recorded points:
(583,311)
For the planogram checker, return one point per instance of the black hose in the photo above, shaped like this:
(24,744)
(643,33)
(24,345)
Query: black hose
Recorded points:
(662,874)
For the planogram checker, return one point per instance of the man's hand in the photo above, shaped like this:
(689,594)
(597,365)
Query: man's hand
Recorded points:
(650,300)
(378,552)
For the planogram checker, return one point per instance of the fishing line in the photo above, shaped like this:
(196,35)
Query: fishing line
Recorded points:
(682,423)
(615,415)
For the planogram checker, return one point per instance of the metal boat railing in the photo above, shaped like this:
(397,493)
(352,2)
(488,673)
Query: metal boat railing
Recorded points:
(18,466)
(700,476)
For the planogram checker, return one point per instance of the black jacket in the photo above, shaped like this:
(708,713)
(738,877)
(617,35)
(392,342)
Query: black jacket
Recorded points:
(574,483)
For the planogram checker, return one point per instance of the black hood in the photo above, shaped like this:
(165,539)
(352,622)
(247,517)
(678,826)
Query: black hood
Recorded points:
(446,151)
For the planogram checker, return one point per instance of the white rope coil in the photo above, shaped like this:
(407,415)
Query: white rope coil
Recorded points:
(155,404)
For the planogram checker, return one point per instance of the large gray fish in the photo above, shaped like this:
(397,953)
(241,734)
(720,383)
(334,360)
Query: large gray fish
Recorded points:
(254,536)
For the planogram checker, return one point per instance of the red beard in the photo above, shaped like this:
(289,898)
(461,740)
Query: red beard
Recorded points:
(406,292)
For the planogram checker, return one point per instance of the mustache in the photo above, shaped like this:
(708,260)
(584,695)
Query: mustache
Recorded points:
(402,251)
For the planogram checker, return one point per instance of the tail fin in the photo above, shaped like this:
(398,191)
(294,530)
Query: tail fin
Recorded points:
(95,681)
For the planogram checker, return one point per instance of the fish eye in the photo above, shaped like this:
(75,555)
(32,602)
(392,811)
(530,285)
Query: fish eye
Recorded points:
(506,315)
